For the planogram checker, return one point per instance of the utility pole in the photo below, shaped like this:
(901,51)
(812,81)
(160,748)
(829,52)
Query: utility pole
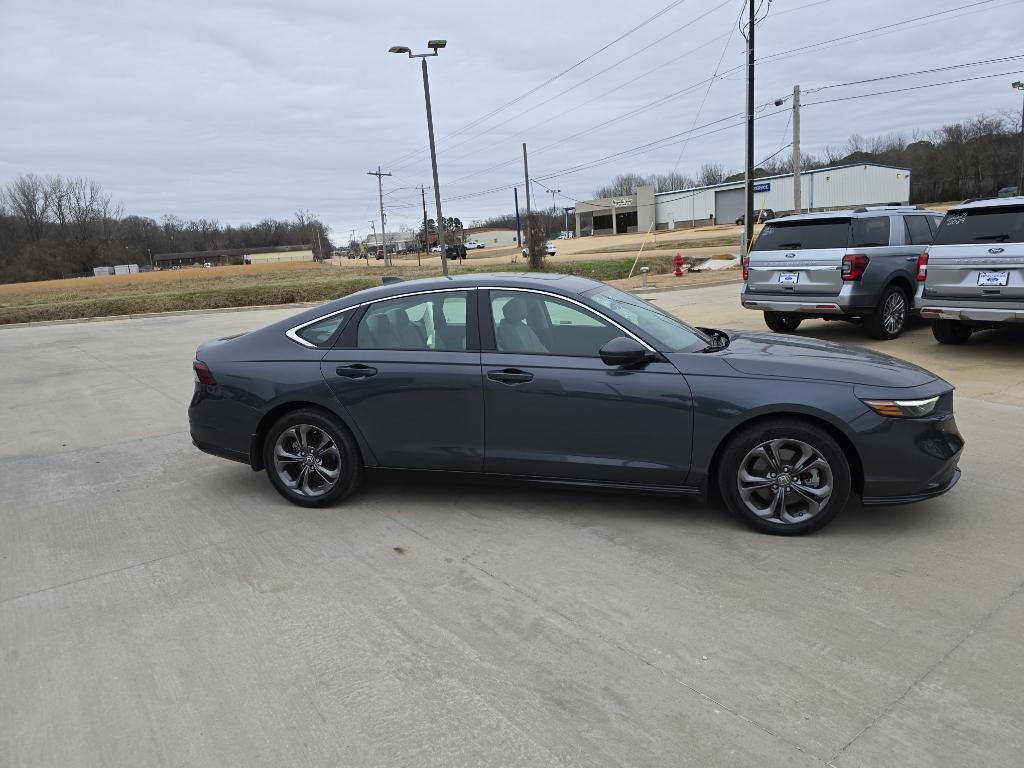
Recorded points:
(380,195)
(519,223)
(526,172)
(797,191)
(426,232)
(1018,85)
(748,219)
(373,226)
(554,208)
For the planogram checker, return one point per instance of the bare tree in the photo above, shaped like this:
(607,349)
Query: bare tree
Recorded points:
(711,173)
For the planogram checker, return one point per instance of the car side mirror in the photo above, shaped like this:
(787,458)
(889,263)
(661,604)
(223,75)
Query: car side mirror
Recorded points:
(625,351)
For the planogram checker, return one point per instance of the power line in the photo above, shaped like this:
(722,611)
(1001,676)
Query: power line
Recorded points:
(912,88)
(553,78)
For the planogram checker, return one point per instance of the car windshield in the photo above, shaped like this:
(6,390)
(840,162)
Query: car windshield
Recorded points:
(1002,224)
(671,334)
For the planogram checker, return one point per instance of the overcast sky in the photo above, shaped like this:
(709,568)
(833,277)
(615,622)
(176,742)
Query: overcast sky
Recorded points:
(237,111)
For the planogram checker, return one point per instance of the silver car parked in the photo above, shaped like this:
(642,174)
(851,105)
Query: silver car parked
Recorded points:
(858,265)
(973,275)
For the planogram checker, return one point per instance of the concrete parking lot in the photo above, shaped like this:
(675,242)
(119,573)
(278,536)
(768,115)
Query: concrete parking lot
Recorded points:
(163,607)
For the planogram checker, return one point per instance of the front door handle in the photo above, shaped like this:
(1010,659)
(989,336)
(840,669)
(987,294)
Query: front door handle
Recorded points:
(510,376)
(356,371)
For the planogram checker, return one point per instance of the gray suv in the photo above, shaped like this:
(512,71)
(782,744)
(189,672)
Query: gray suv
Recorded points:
(858,265)
(973,274)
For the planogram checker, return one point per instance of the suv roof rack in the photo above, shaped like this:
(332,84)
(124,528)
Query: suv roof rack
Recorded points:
(887,207)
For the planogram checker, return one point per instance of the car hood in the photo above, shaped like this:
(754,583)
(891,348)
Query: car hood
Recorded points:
(797,357)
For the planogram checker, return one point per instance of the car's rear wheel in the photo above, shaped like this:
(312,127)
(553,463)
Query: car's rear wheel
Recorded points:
(951,331)
(781,323)
(888,321)
(784,477)
(311,458)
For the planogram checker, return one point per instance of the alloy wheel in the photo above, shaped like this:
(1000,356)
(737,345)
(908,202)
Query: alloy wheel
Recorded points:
(785,481)
(894,313)
(307,460)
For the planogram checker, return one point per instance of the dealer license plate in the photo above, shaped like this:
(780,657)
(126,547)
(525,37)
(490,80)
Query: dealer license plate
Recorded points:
(791,278)
(993,278)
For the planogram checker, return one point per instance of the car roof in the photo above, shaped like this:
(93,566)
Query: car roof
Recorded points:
(992,202)
(853,213)
(568,285)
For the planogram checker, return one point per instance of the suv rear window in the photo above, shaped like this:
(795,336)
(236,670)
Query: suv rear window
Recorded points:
(824,233)
(1003,224)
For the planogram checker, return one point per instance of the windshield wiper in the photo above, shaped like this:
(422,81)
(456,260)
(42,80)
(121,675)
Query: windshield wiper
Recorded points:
(1000,238)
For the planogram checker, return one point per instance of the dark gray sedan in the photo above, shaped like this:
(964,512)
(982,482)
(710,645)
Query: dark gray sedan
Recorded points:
(566,381)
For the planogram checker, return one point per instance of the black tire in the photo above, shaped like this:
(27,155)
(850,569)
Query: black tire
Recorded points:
(891,316)
(784,433)
(951,331)
(781,323)
(349,465)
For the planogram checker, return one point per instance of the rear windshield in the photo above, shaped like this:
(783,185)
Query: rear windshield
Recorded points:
(1004,224)
(867,232)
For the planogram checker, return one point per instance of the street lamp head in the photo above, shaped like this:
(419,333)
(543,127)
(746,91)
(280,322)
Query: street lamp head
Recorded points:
(435,44)
(1018,85)
(399,49)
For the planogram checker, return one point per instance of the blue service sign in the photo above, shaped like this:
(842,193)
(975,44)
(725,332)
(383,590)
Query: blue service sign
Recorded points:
(764,187)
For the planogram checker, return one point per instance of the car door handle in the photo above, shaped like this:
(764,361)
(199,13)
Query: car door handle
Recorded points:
(510,376)
(356,371)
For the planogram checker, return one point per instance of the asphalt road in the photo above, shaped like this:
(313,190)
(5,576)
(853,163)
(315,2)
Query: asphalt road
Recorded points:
(163,607)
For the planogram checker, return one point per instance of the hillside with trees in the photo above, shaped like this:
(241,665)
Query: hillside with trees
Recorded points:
(973,158)
(53,227)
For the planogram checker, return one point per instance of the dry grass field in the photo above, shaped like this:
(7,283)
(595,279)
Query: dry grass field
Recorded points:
(286,283)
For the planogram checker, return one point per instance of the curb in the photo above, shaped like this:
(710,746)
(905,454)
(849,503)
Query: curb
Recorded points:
(645,291)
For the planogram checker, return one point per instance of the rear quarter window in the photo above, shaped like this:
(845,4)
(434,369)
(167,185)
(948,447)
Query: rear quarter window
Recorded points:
(1002,224)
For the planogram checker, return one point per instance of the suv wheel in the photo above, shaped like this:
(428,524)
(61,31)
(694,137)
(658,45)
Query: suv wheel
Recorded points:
(781,323)
(951,331)
(891,317)
(311,458)
(784,477)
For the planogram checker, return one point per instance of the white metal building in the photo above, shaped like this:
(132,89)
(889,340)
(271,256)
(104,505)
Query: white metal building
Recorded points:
(824,189)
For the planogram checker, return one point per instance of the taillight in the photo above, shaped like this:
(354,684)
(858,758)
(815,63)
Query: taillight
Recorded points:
(745,265)
(922,267)
(203,375)
(854,265)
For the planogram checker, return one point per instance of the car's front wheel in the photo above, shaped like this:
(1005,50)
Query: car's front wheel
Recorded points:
(311,458)
(784,476)
(951,331)
(781,323)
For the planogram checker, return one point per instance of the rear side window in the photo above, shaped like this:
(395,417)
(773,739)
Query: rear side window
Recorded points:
(918,232)
(814,233)
(320,333)
(1003,224)
(870,232)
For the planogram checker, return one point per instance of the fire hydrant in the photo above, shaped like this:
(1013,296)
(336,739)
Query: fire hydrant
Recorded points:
(678,261)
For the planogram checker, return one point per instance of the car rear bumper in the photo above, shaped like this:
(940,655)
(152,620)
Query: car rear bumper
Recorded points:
(802,306)
(971,311)
(851,300)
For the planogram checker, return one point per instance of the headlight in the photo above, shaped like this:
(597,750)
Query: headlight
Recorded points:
(903,409)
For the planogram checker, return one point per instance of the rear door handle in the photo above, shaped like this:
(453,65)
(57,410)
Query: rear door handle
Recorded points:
(356,371)
(510,376)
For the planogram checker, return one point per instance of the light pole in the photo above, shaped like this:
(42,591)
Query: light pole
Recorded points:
(1020,176)
(434,46)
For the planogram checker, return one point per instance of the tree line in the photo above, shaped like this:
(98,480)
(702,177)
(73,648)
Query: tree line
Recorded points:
(973,158)
(56,226)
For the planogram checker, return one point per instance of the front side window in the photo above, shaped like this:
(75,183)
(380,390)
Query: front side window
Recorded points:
(534,324)
(670,333)
(432,322)
(321,332)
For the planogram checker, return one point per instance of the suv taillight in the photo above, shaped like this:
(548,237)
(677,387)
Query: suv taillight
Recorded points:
(854,265)
(203,375)
(745,265)
(922,267)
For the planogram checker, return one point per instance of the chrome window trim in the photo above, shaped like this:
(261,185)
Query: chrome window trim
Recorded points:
(292,333)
